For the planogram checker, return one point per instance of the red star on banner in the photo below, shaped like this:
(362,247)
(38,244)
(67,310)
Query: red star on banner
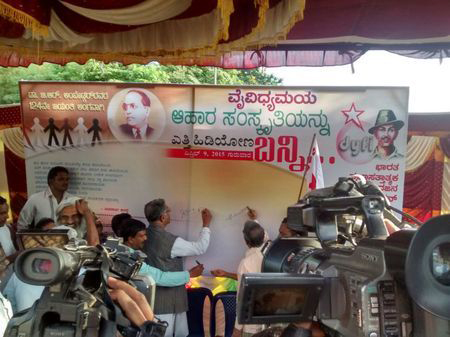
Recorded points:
(352,115)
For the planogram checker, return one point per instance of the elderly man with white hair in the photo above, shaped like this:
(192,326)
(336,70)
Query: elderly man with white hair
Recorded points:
(73,213)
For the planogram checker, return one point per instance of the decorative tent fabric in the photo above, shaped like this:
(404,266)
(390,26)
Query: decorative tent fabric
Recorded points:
(445,146)
(17,182)
(139,31)
(10,122)
(423,192)
(13,140)
(418,152)
(445,204)
(224,33)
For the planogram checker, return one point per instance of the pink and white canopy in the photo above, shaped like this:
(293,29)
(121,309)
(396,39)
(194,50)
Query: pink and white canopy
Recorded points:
(225,33)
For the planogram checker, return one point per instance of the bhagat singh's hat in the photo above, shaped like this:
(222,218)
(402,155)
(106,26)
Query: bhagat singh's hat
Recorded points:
(384,117)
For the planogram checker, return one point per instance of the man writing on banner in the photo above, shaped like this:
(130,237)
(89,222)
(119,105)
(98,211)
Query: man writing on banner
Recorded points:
(385,131)
(44,204)
(136,106)
(256,240)
(254,236)
(165,251)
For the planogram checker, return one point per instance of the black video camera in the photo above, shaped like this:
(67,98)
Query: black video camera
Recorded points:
(377,286)
(76,302)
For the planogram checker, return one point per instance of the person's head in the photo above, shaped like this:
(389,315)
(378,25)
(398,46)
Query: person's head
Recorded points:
(67,213)
(156,211)
(45,224)
(385,135)
(284,231)
(4,209)
(136,106)
(253,234)
(117,221)
(386,128)
(58,179)
(134,233)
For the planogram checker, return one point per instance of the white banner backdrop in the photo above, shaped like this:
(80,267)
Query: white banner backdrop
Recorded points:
(224,148)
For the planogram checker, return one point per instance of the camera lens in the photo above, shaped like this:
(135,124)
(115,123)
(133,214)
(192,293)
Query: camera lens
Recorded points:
(440,263)
(41,266)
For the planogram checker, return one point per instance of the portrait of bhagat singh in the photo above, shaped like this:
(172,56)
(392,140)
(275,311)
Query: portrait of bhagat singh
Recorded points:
(385,131)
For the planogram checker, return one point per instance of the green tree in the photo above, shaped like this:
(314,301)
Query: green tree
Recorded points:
(117,72)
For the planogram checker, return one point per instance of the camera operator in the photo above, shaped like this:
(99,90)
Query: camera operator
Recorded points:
(71,213)
(285,232)
(131,301)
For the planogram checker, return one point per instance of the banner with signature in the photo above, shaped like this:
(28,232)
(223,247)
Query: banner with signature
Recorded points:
(224,148)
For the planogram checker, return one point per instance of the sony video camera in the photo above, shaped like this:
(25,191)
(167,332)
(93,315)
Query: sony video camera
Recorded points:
(76,301)
(370,285)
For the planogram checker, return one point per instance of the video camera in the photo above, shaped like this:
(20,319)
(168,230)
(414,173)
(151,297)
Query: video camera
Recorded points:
(76,301)
(379,285)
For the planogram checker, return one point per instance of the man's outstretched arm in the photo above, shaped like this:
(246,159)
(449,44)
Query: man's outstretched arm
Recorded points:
(183,247)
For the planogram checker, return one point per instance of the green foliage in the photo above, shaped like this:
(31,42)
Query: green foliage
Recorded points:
(116,72)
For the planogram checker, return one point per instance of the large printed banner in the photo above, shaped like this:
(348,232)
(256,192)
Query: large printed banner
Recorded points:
(224,148)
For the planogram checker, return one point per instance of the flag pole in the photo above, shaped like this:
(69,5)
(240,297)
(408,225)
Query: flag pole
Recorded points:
(307,166)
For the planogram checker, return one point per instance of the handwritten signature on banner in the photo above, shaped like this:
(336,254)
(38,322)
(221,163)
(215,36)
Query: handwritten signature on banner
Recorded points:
(184,214)
(270,99)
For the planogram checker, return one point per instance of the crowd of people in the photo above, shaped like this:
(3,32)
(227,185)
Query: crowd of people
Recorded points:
(54,208)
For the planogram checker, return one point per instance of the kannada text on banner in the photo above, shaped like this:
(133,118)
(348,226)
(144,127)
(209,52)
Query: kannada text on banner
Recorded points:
(224,148)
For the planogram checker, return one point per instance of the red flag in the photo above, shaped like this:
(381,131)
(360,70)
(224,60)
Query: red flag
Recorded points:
(315,175)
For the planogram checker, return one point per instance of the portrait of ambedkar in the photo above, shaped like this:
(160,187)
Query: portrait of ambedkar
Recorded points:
(136,108)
